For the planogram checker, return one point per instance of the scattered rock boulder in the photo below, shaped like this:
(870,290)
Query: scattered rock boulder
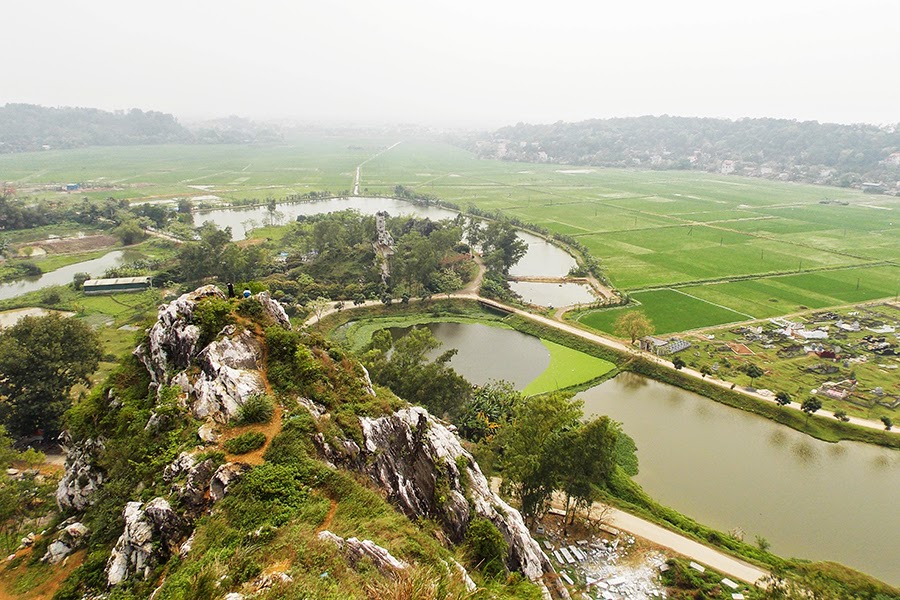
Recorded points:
(223,478)
(356,550)
(69,539)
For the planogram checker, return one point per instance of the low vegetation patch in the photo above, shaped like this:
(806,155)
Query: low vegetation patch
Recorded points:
(258,408)
(244,443)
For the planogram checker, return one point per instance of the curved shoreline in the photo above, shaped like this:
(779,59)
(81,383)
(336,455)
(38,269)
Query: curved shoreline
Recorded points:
(842,431)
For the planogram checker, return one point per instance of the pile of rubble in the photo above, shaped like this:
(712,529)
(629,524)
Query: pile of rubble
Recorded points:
(608,567)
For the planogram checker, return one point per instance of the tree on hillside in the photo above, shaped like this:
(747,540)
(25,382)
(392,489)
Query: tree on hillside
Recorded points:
(489,409)
(41,358)
(678,363)
(888,423)
(783,398)
(633,324)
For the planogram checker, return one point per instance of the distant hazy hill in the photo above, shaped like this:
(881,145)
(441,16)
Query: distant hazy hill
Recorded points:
(846,155)
(25,127)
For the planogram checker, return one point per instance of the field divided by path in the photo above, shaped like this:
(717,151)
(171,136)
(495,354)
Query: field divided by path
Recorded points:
(717,238)
(669,310)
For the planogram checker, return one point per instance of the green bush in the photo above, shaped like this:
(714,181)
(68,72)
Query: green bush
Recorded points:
(487,547)
(278,484)
(244,443)
(258,408)
(211,315)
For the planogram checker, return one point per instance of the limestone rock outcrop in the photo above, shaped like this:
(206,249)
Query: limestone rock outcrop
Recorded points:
(229,375)
(70,538)
(356,550)
(173,339)
(425,471)
(151,534)
(82,477)
(273,309)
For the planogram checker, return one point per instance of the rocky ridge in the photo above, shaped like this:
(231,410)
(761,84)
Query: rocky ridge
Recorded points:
(416,459)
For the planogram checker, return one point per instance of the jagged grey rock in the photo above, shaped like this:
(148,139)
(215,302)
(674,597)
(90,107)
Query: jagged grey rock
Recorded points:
(151,534)
(82,478)
(427,473)
(173,339)
(229,375)
(355,550)
(197,476)
(274,310)
(71,537)
(223,478)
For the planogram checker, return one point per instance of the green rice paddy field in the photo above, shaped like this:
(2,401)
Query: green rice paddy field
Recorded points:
(738,247)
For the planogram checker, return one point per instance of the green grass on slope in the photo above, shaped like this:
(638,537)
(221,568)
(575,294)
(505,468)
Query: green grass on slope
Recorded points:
(567,368)
(670,311)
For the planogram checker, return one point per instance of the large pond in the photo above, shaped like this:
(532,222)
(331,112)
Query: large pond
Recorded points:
(727,468)
(242,220)
(64,275)
(543,259)
(515,356)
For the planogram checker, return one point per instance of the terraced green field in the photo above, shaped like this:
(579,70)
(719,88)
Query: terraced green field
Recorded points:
(788,245)
(670,310)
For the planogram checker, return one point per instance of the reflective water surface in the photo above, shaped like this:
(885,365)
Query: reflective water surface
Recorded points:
(728,468)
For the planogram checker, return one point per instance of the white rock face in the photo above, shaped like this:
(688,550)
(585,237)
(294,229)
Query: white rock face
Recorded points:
(229,366)
(82,478)
(409,452)
(229,375)
(173,340)
(356,550)
(151,534)
(70,538)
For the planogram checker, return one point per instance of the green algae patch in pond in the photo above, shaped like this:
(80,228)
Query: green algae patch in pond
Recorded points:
(568,368)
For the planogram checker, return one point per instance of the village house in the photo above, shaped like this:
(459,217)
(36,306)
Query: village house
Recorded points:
(663,347)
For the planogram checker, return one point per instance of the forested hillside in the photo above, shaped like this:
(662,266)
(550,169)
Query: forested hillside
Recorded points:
(27,127)
(844,155)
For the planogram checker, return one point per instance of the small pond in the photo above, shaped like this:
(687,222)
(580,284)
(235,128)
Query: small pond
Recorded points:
(515,356)
(553,294)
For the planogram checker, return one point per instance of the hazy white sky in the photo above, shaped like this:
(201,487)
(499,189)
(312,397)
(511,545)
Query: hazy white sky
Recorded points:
(460,62)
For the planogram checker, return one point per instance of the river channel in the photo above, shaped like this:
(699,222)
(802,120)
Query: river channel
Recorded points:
(64,275)
(724,467)
(542,259)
